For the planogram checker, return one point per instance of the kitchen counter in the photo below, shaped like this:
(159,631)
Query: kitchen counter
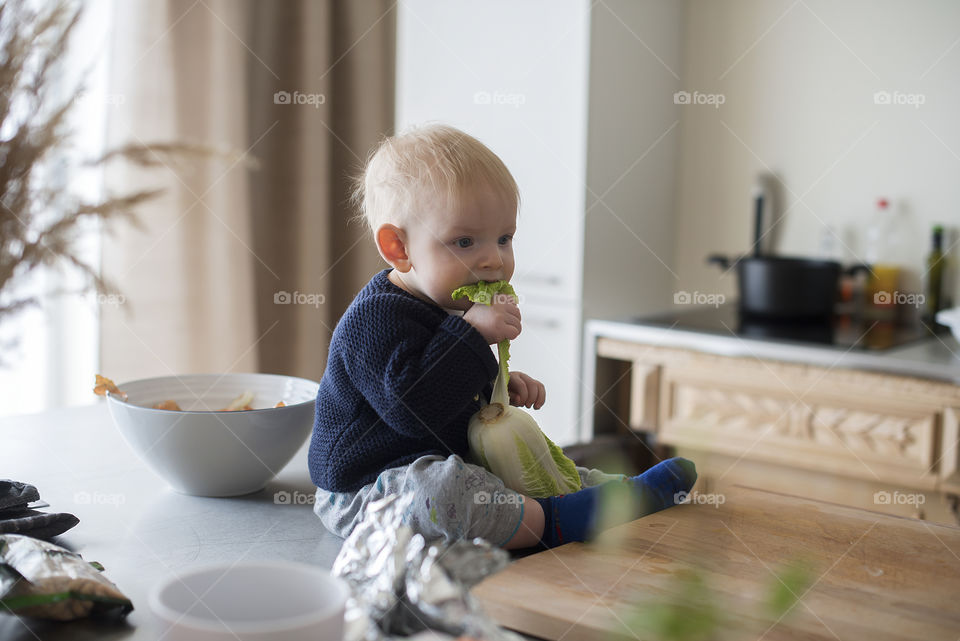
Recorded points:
(137,527)
(141,530)
(935,358)
(848,424)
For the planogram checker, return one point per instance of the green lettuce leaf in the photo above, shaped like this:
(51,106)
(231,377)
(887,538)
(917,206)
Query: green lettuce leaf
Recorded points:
(483,292)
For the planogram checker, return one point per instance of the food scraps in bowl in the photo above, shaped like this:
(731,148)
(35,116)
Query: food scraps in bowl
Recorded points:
(243,402)
(105,386)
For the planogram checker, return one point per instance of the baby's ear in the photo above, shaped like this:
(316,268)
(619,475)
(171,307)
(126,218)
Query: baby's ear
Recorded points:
(391,243)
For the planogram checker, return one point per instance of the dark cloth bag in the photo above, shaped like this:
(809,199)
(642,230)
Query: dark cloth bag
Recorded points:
(17,518)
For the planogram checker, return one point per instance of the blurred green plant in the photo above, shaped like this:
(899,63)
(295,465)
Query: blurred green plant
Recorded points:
(691,616)
(791,583)
(695,612)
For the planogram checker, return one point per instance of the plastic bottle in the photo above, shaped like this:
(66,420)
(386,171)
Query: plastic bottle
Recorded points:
(881,254)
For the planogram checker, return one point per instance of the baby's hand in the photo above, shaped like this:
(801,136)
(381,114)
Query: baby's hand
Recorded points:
(498,321)
(526,391)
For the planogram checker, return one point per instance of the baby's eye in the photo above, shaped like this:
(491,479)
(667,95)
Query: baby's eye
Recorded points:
(505,239)
(464,242)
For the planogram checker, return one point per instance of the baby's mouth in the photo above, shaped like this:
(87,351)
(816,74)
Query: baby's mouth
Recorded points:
(492,279)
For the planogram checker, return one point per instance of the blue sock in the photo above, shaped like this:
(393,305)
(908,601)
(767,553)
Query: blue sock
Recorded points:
(572,517)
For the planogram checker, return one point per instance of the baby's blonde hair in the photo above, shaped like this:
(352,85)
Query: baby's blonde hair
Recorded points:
(428,165)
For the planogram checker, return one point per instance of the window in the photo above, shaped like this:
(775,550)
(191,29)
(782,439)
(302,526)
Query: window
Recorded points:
(55,355)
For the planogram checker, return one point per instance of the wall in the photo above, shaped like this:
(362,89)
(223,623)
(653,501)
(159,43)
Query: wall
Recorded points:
(513,75)
(632,150)
(798,81)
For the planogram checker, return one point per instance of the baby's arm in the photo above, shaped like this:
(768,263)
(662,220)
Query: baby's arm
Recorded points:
(497,321)
(526,391)
(416,376)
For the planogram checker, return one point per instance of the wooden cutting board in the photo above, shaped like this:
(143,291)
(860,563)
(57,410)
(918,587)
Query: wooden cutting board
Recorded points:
(870,575)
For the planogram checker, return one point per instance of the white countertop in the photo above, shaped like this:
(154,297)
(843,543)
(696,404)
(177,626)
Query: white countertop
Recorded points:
(136,526)
(936,358)
(141,530)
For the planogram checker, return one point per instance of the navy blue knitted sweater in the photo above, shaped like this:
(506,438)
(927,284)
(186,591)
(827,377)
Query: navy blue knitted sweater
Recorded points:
(402,381)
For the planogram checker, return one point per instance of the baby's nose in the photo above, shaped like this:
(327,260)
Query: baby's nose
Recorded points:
(491,259)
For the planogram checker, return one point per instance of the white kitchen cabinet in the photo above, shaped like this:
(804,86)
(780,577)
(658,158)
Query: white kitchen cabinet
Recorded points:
(549,350)
(577,99)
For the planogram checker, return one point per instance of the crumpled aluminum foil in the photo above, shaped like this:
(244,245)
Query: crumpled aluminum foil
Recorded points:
(402,585)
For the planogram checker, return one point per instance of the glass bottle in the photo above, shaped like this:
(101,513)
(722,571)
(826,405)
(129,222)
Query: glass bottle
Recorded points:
(934,276)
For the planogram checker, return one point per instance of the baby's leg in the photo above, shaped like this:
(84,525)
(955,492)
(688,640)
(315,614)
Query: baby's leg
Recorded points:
(341,512)
(458,500)
(578,516)
(451,500)
(531,526)
(573,517)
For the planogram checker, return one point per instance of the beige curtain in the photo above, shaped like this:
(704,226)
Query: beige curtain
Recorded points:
(239,270)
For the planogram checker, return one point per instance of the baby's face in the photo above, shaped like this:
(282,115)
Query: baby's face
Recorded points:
(449,249)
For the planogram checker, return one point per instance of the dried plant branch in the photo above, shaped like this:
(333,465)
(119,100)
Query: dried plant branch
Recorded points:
(175,155)
(39,224)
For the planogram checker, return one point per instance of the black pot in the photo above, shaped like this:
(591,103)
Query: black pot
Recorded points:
(783,287)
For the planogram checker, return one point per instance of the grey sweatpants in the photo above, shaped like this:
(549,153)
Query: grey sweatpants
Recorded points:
(452,500)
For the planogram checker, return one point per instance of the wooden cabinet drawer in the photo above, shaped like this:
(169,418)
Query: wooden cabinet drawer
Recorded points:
(949,453)
(882,428)
(809,432)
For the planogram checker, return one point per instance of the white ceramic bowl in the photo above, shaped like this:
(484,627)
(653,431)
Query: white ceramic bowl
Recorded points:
(251,601)
(215,453)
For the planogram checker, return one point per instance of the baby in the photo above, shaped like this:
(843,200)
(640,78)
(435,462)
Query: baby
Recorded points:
(408,365)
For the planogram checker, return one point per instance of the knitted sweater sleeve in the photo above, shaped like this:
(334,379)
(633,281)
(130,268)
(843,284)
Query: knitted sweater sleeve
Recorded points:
(418,376)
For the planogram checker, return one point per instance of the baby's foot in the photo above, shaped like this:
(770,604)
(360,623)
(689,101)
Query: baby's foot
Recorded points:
(572,517)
